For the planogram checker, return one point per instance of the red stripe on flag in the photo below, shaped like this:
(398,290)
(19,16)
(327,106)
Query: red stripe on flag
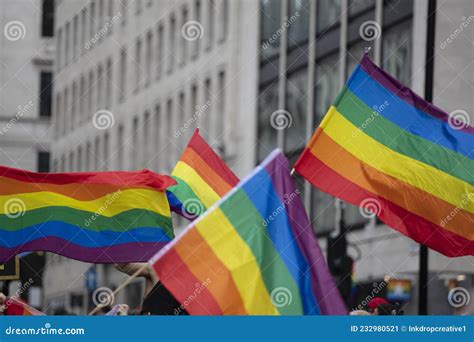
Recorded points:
(185,287)
(407,223)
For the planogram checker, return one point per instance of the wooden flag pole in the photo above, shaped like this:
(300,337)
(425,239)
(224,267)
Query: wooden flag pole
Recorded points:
(121,287)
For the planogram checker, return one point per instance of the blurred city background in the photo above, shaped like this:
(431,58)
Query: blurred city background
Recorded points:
(93,85)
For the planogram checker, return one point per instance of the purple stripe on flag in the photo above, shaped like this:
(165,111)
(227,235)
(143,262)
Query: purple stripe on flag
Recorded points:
(327,294)
(126,252)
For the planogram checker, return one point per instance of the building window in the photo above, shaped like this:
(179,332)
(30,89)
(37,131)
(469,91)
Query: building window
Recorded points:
(169,128)
(100,86)
(208,105)
(158,138)
(73,105)
(88,152)
(329,14)
(159,52)
(108,91)
(92,20)
(223,18)
(396,51)
(75,36)
(138,64)
(123,74)
(270,25)
(221,110)
(59,48)
(83,30)
(46,93)
(65,112)
(267,135)
(97,160)
(67,39)
(146,138)
(135,147)
(197,16)
(296,105)
(298,20)
(82,99)
(105,155)
(210,23)
(182,115)
(90,93)
(43,162)
(172,43)
(183,42)
(79,159)
(120,138)
(148,57)
(47,18)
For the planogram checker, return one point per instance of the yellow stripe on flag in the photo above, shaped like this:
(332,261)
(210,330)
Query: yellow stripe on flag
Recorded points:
(236,255)
(386,160)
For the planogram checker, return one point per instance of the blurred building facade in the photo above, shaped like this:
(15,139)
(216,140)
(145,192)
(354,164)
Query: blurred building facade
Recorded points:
(134,78)
(27,52)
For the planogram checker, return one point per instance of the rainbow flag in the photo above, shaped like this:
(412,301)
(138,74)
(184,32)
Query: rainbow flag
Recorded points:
(382,147)
(202,178)
(97,217)
(16,307)
(254,252)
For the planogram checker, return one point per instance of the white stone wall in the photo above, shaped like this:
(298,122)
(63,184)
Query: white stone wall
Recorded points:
(23,55)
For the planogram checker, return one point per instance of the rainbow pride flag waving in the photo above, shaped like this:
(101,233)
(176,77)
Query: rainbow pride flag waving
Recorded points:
(254,252)
(202,178)
(382,147)
(97,217)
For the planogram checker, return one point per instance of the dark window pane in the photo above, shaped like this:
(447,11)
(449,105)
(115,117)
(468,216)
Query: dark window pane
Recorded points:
(43,161)
(396,48)
(46,92)
(329,13)
(358,6)
(296,107)
(271,26)
(298,21)
(267,135)
(47,24)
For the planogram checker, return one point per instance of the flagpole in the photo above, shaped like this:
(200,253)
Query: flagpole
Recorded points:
(429,74)
(121,287)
